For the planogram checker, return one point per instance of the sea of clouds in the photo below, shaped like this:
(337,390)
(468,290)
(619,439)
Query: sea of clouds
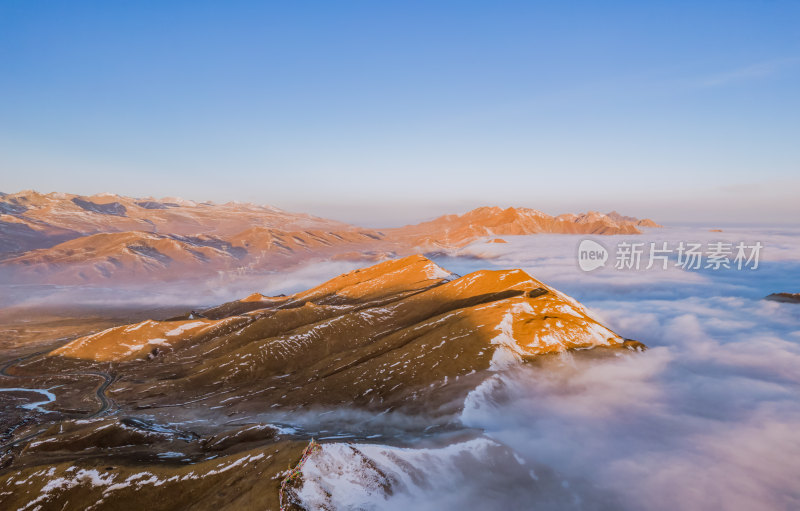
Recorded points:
(191,293)
(707,418)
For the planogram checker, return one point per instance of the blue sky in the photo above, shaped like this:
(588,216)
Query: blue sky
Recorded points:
(387,112)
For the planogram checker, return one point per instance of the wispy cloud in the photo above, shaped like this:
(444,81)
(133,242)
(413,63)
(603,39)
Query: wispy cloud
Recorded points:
(752,72)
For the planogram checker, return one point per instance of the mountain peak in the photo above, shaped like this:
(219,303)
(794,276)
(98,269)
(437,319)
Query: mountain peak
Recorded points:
(393,276)
(507,312)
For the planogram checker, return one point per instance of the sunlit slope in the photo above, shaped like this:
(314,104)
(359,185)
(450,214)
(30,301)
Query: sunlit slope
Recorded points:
(129,257)
(46,219)
(141,339)
(458,230)
(375,337)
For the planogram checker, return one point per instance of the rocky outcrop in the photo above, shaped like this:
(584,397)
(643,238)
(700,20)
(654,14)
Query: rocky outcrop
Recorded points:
(784,297)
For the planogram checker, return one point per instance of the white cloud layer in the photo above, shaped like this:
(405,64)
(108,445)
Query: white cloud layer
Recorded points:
(705,419)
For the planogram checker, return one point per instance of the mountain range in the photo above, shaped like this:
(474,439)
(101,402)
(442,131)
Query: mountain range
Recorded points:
(61,238)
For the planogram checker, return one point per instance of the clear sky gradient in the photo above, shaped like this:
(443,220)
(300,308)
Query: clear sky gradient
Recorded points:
(382,113)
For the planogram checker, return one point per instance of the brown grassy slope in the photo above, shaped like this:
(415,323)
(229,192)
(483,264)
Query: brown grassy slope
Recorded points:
(373,337)
(245,480)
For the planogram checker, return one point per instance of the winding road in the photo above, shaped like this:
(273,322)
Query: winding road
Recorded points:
(105,402)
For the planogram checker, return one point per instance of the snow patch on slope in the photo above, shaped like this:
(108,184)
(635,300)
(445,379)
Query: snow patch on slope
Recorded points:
(373,477)
(508,351)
